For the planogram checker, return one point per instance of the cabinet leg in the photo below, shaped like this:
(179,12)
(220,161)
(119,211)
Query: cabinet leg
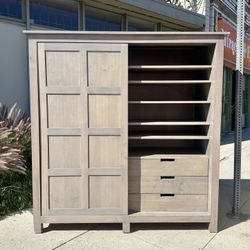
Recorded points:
(126,227)
(38,227)
(213,227)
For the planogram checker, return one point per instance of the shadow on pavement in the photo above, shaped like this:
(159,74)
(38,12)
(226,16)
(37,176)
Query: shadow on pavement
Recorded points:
(226,202)
(225,221)
(67,227)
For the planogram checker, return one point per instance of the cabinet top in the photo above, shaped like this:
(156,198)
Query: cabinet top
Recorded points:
(129,37)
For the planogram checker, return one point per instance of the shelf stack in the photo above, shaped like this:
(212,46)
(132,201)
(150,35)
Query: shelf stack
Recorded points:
(169,106)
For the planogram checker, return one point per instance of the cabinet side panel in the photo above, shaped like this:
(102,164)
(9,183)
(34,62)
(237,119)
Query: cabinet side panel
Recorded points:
(35,139)
(215,141)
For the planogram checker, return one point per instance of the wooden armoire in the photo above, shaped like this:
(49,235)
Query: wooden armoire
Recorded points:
(125,126)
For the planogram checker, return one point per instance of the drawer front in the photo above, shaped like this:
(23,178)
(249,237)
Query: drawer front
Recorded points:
(165,203)
(175,166)
(169,184)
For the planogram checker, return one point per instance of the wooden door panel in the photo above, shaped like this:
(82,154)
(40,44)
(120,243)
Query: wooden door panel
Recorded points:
(64,151)
(107,125)
(104,192)
(64,111)
(104,111)
(62,68)
(83,105)
(64,192)
(104,68)
(104,152)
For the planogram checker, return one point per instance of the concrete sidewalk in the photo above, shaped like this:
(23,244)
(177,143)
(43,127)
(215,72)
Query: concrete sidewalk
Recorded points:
(16,231)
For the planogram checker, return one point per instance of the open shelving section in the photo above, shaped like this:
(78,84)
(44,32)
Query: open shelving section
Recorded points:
(169,107)
(169,96)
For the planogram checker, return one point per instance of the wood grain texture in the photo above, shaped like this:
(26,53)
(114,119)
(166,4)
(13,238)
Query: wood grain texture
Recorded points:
(104,111)
(62,68)
(167,183)
(169,166)
(104,151)
(60,128)
(107,125)
(176,203)
(64,192)
(214,153)
(103,68)
(64,151)
(104,192)
(35,134)
(63,111)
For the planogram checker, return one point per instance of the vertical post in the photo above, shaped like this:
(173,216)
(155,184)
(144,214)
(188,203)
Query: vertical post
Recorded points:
(158,27)
(81,15)
(27,14)
(207,17)
(238,106)
(124,22)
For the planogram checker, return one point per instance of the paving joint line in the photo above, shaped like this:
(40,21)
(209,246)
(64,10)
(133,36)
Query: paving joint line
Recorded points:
(159,247)
(208,242)
(242,205)
(75,237)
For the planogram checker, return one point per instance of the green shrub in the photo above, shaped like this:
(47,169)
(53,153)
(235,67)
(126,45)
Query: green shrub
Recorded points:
(15,192)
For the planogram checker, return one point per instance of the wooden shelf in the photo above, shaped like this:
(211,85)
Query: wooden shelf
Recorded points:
(171,155)
(169,102)
(168,137)
(169,67)
(169,81)
(164,123)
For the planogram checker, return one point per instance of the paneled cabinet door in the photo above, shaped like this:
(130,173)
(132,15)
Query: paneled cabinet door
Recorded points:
(83,106)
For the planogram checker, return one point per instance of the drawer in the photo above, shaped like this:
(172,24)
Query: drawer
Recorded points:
(167,203)
(172,184)
(169,166)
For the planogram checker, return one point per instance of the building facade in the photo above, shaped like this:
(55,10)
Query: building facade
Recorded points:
(223,17)
(89,15)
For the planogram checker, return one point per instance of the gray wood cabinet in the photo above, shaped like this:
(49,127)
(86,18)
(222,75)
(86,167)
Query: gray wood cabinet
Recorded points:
(125,126)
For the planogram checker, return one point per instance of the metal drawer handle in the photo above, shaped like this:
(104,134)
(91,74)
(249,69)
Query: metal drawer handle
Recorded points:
(167,177)
(167,195)
(167,159)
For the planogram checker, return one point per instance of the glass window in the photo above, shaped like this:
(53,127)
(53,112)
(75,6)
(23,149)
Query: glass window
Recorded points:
(100,20)
(51,16)
(165,28)
(11,8)
(136,24)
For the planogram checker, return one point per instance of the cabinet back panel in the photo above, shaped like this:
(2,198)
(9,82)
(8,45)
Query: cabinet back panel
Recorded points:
(169,130)
(168,112)
(169,75)
(147,147)
(170,92)
(170,55)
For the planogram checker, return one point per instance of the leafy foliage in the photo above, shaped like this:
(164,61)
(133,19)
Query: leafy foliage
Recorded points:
(15,192)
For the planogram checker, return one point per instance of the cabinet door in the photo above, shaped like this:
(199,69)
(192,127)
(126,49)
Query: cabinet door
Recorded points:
(83,112)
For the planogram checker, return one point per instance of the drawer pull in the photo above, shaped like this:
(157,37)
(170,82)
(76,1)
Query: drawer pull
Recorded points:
(167,177)
(167,195)
(167,159)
